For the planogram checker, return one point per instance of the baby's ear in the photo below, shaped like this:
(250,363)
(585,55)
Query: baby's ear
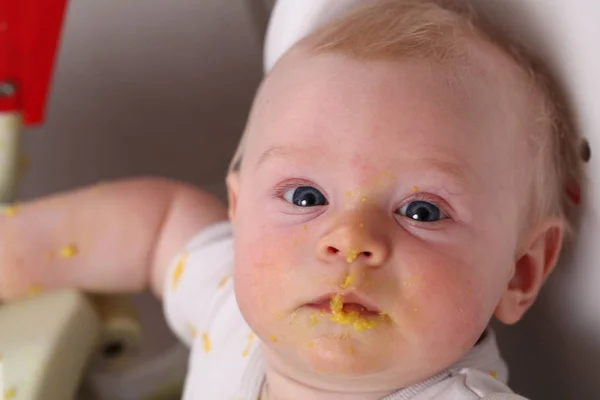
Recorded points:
(538,257)
(233,184)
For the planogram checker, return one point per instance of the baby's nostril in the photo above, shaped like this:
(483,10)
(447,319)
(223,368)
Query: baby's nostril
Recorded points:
(332,250)
(367,254)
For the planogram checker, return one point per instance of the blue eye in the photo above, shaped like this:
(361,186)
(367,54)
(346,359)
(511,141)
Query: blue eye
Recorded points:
(421,211)
(305,196)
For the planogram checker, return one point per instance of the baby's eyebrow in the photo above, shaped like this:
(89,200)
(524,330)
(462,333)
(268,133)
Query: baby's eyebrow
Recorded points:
(456,171)
(274,151)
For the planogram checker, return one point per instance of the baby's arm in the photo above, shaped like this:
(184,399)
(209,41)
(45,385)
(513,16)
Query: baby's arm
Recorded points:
(114,237)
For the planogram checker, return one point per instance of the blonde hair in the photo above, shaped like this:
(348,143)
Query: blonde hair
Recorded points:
(435,30)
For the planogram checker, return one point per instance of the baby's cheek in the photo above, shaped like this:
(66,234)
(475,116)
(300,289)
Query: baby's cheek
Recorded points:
(451,308)
(261,279)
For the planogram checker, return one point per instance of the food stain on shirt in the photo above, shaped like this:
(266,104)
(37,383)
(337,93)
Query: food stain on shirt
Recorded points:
(206,342)
(178,271)
(224,280)
(248,345)
(192,330)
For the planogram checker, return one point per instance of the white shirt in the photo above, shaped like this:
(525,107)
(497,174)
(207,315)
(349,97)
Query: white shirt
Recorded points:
(226,362)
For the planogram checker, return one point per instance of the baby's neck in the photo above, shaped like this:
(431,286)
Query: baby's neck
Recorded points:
(280,386)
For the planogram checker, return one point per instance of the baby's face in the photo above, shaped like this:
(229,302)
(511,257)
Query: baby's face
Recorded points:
(377,217)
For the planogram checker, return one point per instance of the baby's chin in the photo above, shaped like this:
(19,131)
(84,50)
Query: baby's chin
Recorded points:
(344,356)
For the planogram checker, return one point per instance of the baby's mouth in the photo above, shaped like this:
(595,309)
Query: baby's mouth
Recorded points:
(346,304)
(349,309)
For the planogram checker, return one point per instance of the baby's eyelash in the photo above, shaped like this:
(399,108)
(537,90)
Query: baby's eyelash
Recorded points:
(279,191)
(428,199)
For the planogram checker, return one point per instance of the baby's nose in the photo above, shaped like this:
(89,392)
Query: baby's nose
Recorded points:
(350,244)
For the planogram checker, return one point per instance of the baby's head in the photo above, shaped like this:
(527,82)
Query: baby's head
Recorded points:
(402,179)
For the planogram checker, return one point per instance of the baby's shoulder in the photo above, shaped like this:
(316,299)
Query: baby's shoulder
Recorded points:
(199,288)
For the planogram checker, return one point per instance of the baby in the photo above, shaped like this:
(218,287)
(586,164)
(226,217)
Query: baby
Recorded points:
(404,177)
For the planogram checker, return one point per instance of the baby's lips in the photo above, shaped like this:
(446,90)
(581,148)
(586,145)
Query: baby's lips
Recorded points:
(352,298)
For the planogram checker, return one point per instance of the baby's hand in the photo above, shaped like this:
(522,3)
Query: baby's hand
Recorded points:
(113,237)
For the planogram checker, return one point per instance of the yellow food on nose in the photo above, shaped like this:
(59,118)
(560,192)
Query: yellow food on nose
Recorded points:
(351,255)
(273,339)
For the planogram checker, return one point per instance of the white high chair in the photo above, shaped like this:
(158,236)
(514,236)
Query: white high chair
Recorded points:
(49,341)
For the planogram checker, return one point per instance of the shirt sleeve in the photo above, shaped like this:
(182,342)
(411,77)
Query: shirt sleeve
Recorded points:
(196,275)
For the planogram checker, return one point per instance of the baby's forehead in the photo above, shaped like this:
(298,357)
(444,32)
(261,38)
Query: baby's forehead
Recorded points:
(307,97)
(485,81)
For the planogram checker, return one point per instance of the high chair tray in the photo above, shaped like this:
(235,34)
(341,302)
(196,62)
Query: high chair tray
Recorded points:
(45,342)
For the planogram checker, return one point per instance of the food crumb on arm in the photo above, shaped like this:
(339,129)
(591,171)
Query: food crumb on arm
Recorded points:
(68,251)
(10,211)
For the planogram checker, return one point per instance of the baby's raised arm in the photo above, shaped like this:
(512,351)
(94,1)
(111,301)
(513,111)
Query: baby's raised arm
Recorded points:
(113,237)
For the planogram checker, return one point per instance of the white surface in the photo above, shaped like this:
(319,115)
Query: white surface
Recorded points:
(45,343)
(555,352)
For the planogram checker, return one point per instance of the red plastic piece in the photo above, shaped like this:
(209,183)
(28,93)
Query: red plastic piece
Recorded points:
(29,36)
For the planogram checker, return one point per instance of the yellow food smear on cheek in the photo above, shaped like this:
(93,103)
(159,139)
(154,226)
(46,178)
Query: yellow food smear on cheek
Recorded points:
(349,318)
